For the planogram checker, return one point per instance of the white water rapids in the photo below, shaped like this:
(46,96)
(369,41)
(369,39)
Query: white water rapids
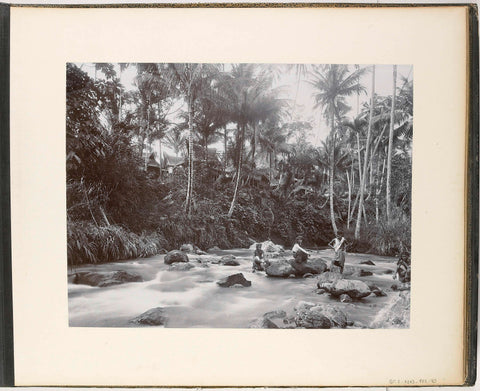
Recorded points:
(193,299)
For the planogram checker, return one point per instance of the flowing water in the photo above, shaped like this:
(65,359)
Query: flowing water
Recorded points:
(193,299)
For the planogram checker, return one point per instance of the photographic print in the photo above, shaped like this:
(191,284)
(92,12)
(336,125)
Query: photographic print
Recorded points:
(239,195)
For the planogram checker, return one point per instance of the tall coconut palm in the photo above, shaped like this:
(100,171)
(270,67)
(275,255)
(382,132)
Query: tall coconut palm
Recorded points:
(271,139)
(248,93)
(390,143)
(333,84)
(153,93)
(367,149)
(189,79)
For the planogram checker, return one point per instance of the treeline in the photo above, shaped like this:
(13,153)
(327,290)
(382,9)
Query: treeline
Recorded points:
(269,181)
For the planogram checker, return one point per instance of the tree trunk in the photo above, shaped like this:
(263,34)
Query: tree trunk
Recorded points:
(254,144)
(349,200)
(206,152)
(362,182)
(104,216)
(332,173)
(359,159)
(239,172)
(147,131)
(271,167)
(188,201)
(225,151)
(390,145)
(160,158)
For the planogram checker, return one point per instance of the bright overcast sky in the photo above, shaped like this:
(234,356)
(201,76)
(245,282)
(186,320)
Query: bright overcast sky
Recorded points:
(302,93)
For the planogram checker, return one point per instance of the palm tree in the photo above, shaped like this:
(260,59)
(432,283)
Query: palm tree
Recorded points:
(250,101)
(333,85)
(390,142)
(153,92)
(189,79)
(367,148)
(271,140)
(175,139)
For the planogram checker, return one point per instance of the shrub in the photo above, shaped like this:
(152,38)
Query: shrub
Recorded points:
(89,243)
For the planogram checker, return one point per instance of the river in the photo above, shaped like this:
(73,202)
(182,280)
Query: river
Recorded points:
(193,299)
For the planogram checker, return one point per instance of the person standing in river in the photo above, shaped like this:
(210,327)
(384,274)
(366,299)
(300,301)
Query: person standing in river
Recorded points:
(338,245)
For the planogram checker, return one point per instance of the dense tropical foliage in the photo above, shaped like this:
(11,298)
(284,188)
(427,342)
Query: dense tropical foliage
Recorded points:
(214,155)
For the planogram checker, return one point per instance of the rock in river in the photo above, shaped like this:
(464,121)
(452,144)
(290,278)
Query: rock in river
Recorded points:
(269,247)
(103,279)
(152,317)
(234,279)
(313,266)
(275,314)
(229,260)
(187,248)
(175,256)
(263,323)
(279,269)
(322,316)
(284,268)
(368,262)
(365,273)
(345,298)
(327,280)
(312,319)
(354,288)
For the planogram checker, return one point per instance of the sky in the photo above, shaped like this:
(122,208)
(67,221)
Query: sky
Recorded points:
(300,94)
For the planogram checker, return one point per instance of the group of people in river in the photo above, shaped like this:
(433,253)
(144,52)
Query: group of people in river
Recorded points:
(339,245)
(300,255)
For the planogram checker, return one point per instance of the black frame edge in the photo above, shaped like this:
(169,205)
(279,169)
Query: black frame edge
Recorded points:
(472,201)
(6,310)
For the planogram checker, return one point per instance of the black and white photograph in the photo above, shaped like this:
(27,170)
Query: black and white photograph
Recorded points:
(239,195)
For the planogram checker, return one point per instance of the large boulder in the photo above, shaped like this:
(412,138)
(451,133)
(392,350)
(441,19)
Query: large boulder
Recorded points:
(234,279)
(269,247)
(327,280)
(337,317)
(303,306)
(285,268)
(229,260)
(279,269)
(280,314)
(354,288)
(319,316)
(314,266)
(318,264)
(104,279)
(175,256)
(263,323)
(152,317)
(312,319)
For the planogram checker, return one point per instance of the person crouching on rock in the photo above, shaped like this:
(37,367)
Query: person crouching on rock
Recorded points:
(403,268)
(299,254)
(258,256)
(338,245)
